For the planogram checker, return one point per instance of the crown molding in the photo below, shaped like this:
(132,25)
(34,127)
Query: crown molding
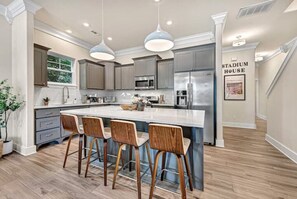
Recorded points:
(17,7)
(183,42)
(241,48)
(38,25)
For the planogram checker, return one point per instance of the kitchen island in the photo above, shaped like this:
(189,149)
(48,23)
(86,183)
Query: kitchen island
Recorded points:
(192,122)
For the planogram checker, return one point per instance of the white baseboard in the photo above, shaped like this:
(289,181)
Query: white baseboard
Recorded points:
(220,143)
(240,125)
(263,117)
(282,148)
(25,151)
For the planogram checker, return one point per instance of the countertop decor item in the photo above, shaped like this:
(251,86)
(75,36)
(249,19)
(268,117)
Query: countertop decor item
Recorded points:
(140,102)
(102,51)
(9,103)
(129,107)
(46,101)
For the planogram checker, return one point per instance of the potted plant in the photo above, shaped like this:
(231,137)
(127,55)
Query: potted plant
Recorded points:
(8,103)
(46,101)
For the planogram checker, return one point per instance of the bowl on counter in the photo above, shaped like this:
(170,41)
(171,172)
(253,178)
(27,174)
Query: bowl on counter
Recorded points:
(129,107)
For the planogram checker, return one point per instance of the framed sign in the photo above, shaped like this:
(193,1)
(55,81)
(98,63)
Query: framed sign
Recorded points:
(234,87)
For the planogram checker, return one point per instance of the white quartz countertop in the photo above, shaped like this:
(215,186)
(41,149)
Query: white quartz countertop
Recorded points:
(181,117)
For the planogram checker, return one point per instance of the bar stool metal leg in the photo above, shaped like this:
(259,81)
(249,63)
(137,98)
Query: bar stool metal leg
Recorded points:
(67,150)
(105,162)
(155,173)
(130,157)
(80,152)
(163,165)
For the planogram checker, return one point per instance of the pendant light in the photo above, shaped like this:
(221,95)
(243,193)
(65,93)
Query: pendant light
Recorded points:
(102,51)
(159,40)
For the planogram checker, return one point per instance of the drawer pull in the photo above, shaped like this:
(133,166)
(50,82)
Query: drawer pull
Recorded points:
(50,123)
(49,135)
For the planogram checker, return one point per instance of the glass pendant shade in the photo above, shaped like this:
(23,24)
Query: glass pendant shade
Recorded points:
(102,52)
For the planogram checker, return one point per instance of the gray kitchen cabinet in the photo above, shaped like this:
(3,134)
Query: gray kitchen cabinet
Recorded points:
(194,58)
(40,65)
(184,61)
(204,57)
(118,78)
(146,66)
(166,74)
(127,77)
(91,75)
(110,74)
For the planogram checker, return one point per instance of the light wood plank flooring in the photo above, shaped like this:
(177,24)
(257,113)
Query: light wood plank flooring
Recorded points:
(248,167)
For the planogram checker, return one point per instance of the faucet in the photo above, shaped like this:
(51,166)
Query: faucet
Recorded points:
(67,89)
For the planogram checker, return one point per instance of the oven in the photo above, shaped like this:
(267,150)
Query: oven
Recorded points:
(145,83)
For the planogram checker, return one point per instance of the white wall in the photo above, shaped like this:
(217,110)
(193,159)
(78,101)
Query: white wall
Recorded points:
(282,111)
(5,50)
(241,113)
(266,72)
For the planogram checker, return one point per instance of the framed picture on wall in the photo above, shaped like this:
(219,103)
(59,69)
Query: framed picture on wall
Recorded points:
(234,87)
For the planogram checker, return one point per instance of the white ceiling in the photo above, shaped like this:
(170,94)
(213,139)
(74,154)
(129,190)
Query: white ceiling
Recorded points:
(129,21)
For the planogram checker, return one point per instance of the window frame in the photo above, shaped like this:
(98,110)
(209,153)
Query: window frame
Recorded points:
(73,69)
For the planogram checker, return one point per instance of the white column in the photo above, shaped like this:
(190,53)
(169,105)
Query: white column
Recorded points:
(23,74)
(219,20)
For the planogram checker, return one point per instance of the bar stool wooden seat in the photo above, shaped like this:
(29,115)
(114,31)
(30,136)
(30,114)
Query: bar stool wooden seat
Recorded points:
(125,133)
(93,127)
(70,123)
(167,138)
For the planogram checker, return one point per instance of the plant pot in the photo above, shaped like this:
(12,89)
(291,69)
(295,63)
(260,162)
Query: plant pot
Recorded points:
(7,147)
(45,103)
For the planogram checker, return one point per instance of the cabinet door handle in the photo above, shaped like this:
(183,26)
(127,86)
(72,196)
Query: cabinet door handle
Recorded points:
(49,135)
(49,113)
(50,123)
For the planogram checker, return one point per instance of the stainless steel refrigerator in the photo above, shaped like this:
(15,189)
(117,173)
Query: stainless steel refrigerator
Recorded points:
(196,90)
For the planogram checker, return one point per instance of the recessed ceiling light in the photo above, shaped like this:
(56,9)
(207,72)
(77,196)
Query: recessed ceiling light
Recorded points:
(109,38)
(86,24)
(69,31)
(169,22)
(157,0)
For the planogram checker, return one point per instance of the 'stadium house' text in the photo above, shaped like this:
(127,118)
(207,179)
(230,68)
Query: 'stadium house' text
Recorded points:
(232,68)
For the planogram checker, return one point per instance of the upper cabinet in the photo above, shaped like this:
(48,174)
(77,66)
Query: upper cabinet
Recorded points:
(91,75)
(118,78)
(40,65)
(127,77)
(146,66)
(195,58)
(165,74)
(110,74)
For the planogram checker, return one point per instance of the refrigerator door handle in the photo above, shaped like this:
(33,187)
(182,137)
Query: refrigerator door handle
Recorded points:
(191,95)
(188,96)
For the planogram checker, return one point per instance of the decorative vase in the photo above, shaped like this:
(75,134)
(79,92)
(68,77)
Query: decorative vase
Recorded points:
(140,106)
(7,147)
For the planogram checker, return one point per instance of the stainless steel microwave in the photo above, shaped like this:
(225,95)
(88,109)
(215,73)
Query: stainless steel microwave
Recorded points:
(145,83)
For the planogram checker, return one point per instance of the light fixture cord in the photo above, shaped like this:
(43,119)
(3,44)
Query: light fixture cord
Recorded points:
(102,22)
(158,13)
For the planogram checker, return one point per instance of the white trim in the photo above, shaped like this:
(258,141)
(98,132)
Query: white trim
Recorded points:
(59,85)
(282,68)
(128,51)
(282,148)
(25,151)
(261,116)
(220,18)
(38,25)
(241,48)
(220,143)
(240,125)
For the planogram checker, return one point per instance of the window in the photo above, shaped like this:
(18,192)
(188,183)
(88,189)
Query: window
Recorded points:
(60,69)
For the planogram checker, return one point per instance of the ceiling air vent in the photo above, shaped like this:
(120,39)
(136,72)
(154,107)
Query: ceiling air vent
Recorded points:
(255,9)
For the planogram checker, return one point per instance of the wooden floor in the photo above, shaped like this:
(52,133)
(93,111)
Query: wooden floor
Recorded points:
(248,167)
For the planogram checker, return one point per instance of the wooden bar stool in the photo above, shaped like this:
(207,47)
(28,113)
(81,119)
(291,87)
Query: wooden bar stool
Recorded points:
(167,138)
(125,132)
(93,127)
(70,123)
